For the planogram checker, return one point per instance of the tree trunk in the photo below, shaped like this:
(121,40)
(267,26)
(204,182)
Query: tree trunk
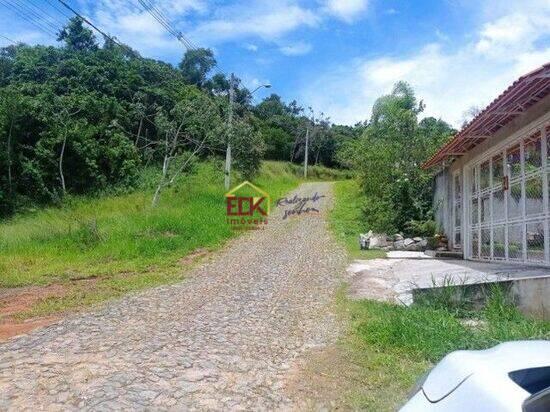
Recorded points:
(9,157)
(61,175)
(139,132)
(165,166)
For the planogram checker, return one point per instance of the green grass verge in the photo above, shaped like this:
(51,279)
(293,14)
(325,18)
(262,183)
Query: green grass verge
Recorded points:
(393,345)
(120,242)
(347,220)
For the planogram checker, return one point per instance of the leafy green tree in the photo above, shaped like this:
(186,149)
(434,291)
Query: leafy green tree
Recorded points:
(196,65)
(77,37)
(388,156)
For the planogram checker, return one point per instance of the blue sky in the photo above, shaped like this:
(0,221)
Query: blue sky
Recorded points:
(336,55)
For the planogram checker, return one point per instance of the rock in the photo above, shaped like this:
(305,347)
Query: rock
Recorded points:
(398,236)
(424,243)
(377,242)
(399,244)
(414,247)
(441,249)
(363,242)
(417,239)
(408,242)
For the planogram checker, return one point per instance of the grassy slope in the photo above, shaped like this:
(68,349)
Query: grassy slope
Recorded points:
(393,345)
(346,219)
(119,241)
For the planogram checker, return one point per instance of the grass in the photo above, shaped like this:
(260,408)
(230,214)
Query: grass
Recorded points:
(392,345)
(347,222)
(106,246)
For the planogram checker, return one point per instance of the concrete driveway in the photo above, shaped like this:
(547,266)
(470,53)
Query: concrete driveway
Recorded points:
(393,279)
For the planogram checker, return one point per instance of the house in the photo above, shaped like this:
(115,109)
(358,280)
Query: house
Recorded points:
(491,189)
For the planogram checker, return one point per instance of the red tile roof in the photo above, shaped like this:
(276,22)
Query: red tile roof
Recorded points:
(514,101)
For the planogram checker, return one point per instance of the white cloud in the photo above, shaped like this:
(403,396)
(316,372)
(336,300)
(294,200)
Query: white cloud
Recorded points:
(267,20)
(296,49)
(448,81)
(251,47)
(510,34)
(347,10)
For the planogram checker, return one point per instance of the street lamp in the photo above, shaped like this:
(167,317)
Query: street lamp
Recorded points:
(232,81)
(267,86)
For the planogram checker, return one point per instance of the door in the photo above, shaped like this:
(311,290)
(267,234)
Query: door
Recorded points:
(508,203)
(457,211)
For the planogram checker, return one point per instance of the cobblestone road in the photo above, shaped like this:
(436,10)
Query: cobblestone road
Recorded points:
(223,339)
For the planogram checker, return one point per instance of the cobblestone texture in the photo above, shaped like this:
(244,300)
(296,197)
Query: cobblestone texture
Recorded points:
(223,339)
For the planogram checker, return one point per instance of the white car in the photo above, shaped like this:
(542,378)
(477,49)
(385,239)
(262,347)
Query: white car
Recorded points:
(513,376)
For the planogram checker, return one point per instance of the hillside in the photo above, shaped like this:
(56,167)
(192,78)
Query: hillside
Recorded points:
(100,247)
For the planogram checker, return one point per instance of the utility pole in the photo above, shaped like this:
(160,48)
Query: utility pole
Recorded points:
(307,140)
(307,152)
(230,132)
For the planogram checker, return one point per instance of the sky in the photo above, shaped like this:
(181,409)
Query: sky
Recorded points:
(337,56)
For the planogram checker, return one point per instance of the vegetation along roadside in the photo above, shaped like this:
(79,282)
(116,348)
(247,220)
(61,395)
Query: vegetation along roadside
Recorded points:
(97,248)
(391,345)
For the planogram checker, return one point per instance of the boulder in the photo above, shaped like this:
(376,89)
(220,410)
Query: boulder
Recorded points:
(399,244)
(378,242)
(414,247)
(408,242)
(417,239)
(363,242)
(398,236)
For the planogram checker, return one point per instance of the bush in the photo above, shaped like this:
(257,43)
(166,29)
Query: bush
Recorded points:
(424,228)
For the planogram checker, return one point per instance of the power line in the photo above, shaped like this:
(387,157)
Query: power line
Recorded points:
(28,18)
(8,39)
(39,16)
(92,25)
(59,9)
(150,7)
(52,17)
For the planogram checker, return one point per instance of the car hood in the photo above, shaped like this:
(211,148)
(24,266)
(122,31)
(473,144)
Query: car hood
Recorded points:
(458,366)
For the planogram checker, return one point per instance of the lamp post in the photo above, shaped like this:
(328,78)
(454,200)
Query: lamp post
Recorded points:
(267,86)
(232,81)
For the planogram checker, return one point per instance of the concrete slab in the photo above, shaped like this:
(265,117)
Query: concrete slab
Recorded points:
(403,254)
(394,279)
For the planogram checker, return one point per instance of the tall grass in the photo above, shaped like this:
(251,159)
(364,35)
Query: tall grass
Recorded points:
(105,236)
(430,333)
(347,220)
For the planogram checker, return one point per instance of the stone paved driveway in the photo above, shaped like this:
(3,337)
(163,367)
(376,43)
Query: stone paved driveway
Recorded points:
(223,339)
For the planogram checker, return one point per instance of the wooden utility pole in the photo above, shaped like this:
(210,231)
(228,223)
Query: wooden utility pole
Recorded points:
(230,132)
(306,153)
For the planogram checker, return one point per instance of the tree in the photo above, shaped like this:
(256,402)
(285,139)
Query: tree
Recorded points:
(469,114)
(77,37)
(62,118)
(10,110)
(196,65)
(388,156)
(191,127)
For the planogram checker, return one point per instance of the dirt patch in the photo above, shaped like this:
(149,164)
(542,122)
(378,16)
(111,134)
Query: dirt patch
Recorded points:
(324,379)
(18,300)
(193,256)
(10,327)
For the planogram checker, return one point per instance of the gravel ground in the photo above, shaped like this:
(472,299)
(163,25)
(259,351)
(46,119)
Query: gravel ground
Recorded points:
(226,338)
